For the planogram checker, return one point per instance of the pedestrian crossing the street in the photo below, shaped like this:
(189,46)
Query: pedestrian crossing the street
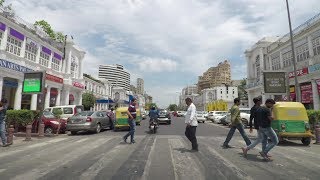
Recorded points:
(151,157)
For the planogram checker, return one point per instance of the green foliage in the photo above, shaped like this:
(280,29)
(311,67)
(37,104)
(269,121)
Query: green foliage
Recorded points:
(173,107)
(314,117)
(1,3)
(20,117)
(88,100)
(149,105)
(46,27)
(57,112)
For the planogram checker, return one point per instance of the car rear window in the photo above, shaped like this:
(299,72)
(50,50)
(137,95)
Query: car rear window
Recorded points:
(67,110)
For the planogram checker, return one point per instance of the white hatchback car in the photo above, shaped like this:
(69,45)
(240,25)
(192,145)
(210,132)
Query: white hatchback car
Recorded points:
(200,116)
(245,116)
(212,114)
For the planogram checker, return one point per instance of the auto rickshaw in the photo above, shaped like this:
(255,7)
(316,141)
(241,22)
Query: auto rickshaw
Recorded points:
(291,122)
(121,120)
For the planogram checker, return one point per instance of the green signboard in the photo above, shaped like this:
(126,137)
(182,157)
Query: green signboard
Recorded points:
(275,82)
(33,82)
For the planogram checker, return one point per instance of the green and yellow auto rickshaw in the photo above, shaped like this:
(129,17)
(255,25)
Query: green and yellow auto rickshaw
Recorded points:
(121,119)
(291,122)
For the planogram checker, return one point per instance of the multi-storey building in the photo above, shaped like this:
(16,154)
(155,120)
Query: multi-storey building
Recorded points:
(116,75)
(276,55)
(215,76)
(140,86)
(189,91)
(25,48)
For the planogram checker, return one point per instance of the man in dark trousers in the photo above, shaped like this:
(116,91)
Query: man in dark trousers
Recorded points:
(132,114)
(192,123)
(236,123)
(3,111)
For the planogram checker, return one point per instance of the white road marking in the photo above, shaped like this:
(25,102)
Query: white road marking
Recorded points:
(2,170)
(64,159)
(82,140)
(57,140)
(148,163)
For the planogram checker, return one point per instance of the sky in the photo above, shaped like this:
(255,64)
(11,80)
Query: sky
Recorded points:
(168,43)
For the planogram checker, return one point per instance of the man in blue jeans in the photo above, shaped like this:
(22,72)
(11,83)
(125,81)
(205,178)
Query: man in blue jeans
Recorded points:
(3,111)
(132,114)
(236,123)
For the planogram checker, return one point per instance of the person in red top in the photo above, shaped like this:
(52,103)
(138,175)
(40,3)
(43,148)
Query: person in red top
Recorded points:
(132,114)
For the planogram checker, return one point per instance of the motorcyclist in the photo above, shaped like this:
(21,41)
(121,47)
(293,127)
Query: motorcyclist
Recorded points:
(153,114)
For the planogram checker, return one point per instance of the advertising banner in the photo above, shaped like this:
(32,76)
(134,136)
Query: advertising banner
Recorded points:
(306,94)
(274,82)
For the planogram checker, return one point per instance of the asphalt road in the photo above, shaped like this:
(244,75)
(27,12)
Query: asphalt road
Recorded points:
(163,156)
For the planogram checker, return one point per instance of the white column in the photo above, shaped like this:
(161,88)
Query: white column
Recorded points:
(281,60)
(1,85)
(310,46)
(80,98)
(50,60)
(47,99)
(17,98)
(316,101)
(38,54)
(4,39)
(68,63)
(23,48)
(58,99)
(34,101)
(80,69)
(66,97)
(261,59)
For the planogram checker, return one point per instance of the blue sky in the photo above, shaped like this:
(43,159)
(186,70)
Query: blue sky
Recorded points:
(168,43)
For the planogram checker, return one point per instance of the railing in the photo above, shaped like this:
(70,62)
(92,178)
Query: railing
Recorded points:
(253,84)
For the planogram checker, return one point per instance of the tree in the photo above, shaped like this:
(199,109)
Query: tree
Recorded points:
(1,3)
(46,27)
(88,100)
(242,93)
(173,107)
(149,105)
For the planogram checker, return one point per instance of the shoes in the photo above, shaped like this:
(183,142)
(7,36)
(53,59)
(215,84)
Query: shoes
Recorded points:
(7,144)
(265,156)
(195,150)
(226,146)
(124,139)
(132,142)
(245,151)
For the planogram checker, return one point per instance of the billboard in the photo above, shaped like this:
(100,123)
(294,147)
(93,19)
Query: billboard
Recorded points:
(33,82)
(274,82)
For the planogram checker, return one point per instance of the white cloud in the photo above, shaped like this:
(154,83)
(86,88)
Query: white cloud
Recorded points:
(157,65)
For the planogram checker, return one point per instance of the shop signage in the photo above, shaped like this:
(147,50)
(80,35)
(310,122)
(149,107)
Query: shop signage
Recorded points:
(33,82)
(274,82)
(12,84)
(13,66)
(306,93)
(78,85)
(314,68)
(300,72)
(318,85)
(54,78)
(292,93)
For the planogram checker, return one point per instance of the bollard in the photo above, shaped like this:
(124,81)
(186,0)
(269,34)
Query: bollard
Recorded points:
(28,132)
(41,129)
(10,135)
(317,133)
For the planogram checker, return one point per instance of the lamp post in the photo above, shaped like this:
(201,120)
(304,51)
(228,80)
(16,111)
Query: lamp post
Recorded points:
(297,87)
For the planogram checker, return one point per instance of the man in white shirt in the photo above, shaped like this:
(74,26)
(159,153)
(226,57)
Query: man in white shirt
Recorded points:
(192,123)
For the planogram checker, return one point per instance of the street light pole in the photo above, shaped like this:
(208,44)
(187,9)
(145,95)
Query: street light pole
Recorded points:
(297,87)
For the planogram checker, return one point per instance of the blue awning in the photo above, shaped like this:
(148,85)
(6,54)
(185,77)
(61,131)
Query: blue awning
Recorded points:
(104,101)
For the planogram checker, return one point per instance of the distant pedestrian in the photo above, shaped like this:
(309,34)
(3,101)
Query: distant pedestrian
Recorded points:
(3,111)
(192,123)
(111,117)
(236,123)
(132,114)
(253,116)
(264,114)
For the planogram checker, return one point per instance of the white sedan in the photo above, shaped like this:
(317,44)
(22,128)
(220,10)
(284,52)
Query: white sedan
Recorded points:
(200,117)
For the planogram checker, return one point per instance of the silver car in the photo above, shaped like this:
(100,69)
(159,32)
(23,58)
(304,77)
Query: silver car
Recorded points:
(88,121)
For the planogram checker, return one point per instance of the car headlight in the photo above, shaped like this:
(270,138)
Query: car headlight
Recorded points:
(55,122)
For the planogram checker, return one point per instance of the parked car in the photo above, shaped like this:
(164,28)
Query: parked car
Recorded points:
(217,117)
(244,115)
(51,124)
(143,115)
(224,119)
(213,114)
(67,111)
(206,113)
(180,113)
(164,116)
(88,121)
(200,116)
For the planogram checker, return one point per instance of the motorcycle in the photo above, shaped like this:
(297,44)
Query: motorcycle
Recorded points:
(153,126)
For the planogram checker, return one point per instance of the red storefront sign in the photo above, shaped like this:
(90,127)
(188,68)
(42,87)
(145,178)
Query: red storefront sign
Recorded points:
(318,85)
(306,94)
(53,78)
(78,85)
(300,72)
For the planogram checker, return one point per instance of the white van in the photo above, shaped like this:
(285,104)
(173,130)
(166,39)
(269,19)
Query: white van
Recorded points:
(67,111)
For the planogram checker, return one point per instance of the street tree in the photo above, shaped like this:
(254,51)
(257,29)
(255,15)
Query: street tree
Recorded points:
(173,107)
(88,100)
(46,27)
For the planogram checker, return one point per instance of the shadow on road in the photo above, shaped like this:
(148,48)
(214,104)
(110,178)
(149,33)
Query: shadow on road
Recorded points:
(252,157)
(290,143)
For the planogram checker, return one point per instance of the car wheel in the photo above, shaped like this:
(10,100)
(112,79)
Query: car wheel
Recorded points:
(98,128)
(203,121)
(306,141)
(73,132)
(48,130)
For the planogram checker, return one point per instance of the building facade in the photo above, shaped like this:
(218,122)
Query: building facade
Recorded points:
(277,56)
(140,86)
(23,49)
(215,76)
(116,75)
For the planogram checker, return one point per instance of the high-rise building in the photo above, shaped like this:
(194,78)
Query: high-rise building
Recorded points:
(133,89)
(140,86)
(215,76)
(116,75)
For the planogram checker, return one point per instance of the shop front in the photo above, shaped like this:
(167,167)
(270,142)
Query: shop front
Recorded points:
(306,95)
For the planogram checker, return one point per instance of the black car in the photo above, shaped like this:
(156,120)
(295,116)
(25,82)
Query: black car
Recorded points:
(164,116)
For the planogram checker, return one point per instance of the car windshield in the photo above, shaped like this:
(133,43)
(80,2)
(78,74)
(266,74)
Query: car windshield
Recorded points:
(48,114)
(85,113)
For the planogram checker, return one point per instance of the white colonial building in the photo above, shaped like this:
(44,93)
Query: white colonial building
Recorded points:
(25,48)
(274,54)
